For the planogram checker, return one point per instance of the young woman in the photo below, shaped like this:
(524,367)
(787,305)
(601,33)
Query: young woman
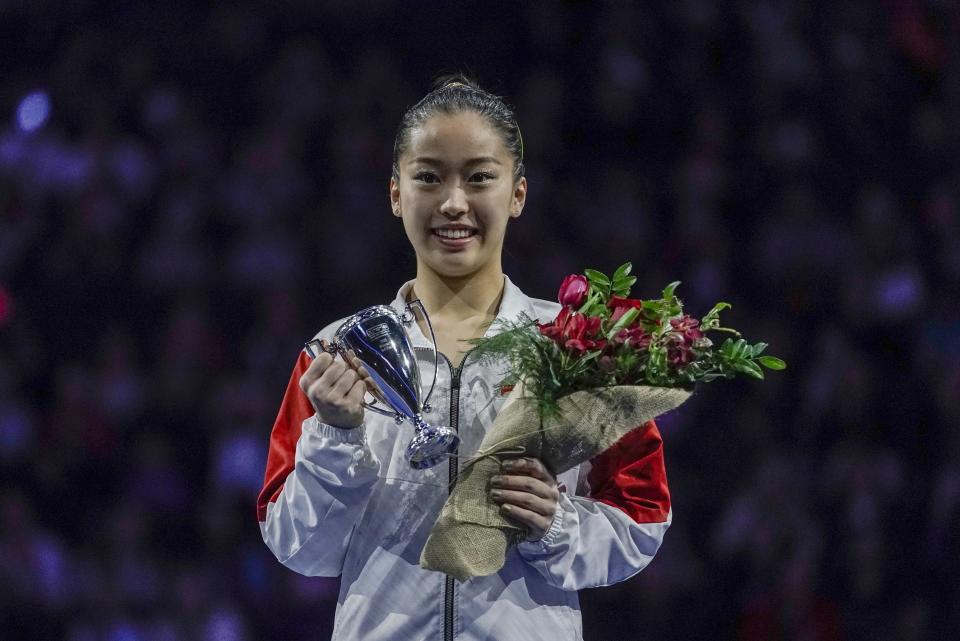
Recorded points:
(340,499)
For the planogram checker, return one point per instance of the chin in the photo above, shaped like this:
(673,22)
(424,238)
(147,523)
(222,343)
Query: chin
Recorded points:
(455,268)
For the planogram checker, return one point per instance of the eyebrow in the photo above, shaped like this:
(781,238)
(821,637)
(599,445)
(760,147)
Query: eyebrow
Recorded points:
(428,160)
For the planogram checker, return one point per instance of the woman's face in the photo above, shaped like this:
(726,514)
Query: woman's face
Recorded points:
(456,193)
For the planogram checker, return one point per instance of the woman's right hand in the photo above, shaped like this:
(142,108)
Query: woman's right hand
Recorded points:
(336,389)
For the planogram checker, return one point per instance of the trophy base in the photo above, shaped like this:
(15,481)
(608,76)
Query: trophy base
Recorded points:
(430,446)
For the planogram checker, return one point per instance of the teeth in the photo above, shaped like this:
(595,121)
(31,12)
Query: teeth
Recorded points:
(453,233)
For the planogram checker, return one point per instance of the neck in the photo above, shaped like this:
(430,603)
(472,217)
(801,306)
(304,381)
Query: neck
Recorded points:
(459,298)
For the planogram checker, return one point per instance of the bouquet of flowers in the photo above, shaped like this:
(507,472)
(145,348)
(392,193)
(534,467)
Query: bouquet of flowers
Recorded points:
(604,366)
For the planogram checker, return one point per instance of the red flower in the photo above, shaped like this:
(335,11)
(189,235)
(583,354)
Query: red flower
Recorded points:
(620,305)
(688,327)
(593,326)
(573,290)
(634,337)
(616,302)
(576,327)
(577,346)
(575,332)
(679,353)
(554,330)
(580,345)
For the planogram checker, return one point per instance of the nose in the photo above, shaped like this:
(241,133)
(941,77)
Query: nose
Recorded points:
(455,204)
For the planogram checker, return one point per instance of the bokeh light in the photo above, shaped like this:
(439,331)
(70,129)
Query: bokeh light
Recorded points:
(34,110)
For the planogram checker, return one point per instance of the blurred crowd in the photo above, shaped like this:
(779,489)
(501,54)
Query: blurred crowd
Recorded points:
(187,195)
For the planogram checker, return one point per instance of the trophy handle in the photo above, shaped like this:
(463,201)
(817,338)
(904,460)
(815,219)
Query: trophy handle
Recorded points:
(318,346)
(436,350)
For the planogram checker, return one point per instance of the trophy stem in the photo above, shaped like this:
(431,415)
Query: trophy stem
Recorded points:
(431,444)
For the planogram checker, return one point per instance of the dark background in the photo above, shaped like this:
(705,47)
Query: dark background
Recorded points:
(188,193)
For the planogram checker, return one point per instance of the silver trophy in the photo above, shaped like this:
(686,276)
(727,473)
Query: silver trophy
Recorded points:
(378,338)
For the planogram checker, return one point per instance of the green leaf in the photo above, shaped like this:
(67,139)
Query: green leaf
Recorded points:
(669,289)
(623,284)
(749,367)
(653,306)
(589,356)
(597,277)
(758,349)
(772,362)
(738,348)
(713,313)
(726,348)
(622,271)
(627,318)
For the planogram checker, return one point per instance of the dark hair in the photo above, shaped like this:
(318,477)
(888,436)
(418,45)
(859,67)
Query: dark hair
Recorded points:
(455,94)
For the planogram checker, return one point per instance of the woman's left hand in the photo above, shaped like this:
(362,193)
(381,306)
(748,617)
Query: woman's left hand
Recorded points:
(527,494)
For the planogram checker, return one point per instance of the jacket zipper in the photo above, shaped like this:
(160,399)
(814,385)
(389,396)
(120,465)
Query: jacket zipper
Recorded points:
(449,591)
(452,471)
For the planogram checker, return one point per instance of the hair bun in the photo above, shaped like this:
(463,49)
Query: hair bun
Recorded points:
(455,80)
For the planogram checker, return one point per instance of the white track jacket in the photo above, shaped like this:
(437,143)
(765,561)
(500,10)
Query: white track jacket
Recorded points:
(345,502)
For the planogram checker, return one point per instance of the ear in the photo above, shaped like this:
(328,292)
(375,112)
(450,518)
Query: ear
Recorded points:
(395,197)
(519,198)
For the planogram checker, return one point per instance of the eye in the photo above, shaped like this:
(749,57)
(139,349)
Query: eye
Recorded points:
(482,177)
(426,177)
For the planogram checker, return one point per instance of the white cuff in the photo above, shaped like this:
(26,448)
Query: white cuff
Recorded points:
(549,539)
(339,434)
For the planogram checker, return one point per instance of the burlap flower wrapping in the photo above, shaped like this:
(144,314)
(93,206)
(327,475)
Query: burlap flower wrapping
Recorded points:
(471,537)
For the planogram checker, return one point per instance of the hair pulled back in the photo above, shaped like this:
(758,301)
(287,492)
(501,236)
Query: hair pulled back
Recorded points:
(455,94)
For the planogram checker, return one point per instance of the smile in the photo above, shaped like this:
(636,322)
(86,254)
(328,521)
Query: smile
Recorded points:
(454,234)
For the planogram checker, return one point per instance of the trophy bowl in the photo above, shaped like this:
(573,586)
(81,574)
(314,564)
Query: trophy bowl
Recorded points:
(378,338)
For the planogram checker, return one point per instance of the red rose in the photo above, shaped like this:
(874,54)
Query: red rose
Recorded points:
(573,290)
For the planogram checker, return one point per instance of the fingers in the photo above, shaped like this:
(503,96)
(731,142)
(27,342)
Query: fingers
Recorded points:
(362,372)
(536,524)
(335,389)
(317,367)
(355,362)
(527,494)
(530,502)
(355,396)
(339,379)
(527,485)
(528,466)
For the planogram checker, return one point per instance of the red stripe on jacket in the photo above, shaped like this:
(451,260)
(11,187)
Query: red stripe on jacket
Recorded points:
(631,476)
(294,410)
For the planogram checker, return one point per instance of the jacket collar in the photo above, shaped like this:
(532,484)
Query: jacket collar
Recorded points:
(513,303)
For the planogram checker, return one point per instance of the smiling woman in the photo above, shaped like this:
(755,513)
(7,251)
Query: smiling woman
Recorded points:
(340,499)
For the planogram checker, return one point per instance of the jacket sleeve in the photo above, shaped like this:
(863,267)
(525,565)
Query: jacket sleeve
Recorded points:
(318,481)
(616,530)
